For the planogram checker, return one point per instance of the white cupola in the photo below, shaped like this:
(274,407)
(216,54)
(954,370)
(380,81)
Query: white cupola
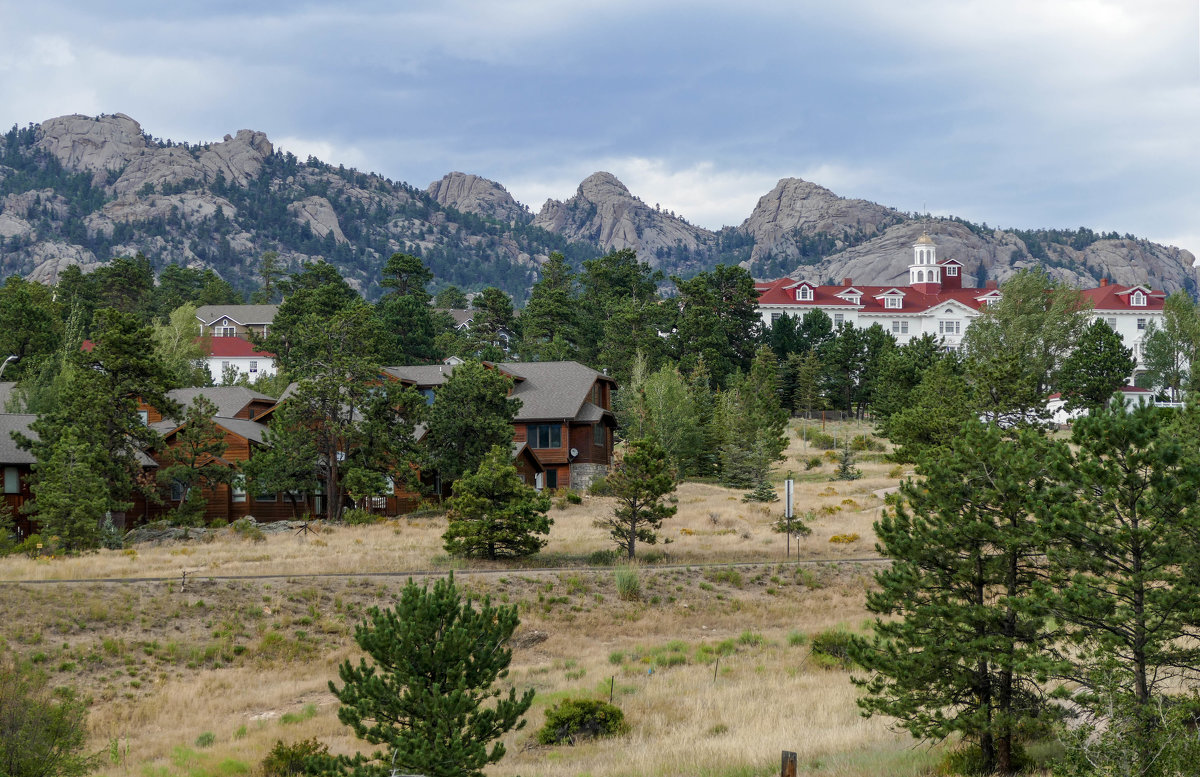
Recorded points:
(924,267)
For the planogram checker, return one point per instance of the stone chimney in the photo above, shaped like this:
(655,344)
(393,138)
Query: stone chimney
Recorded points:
(1103,282)
(847,282)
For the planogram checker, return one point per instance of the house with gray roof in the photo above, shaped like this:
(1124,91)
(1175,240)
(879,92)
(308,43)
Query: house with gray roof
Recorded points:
(235,320)
(565,419)
(16,465)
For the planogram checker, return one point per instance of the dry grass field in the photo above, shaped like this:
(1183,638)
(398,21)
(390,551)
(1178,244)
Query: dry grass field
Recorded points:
(711,665)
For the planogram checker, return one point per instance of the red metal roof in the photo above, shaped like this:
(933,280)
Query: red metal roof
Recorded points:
(233,346)
(925,296)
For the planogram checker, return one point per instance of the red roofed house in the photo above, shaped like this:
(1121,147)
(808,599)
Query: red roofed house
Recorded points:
(237,355)
(935,302)
(229,327)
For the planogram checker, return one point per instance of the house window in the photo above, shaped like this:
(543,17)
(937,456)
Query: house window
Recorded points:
(1141,324)
(253,365)
(804,294)
(891,302)
(899,327)
(226,331)
(266,497)
(238,492)
(775,317)
(838,318)
(224,367)
(144,417)
(428,394)
(951,271)
(949,327)
(1138,300)
(598,435)
(1112,323)
(177,491)
(545,436)
(12,481)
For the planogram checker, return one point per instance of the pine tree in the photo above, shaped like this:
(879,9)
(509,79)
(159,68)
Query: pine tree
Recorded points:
(471,412)
(1123,557)
(641,481)
(194,462)
(493,514)
(70,497)
(958,641)
(427,696)
(549,330)
(1097,368)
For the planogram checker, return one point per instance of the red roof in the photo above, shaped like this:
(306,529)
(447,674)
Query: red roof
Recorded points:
(234,346)
(922,297)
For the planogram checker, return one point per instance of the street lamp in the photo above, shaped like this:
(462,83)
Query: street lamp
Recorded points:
(4,364)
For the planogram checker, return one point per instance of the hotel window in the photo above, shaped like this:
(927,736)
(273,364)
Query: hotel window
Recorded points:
(1112,323)
(253,365)
(1139,299)
(891,302)
(952,271)
(775,317)
(1141,324)
(899,327)
(224,366)
(838,318)
(804,294)
(949,327)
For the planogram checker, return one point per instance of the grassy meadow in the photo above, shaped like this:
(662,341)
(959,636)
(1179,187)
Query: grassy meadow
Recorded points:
(711,665)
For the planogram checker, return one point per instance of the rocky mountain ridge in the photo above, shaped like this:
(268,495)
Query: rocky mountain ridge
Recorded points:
(81,190)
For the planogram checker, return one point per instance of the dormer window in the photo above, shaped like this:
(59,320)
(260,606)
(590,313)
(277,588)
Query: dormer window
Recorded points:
(892,302)
(1138,300)
(804,294)
(951,271)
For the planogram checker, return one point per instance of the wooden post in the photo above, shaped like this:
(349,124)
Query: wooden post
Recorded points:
(787,765)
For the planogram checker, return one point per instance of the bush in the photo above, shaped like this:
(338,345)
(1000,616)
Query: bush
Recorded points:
(248,529)
(629,585)
(968,760)
(865,442)
(813,462)
(831,648)
(356,517)
(573,720)
(206,739)
(602,558)
(818,439)
(286,760)
(599,487)
(110,536)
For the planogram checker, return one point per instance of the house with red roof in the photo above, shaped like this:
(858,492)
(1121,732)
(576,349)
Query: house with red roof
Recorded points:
(935,302)
(237,356)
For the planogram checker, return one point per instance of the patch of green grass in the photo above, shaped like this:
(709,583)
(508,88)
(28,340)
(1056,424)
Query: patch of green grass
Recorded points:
(309,712)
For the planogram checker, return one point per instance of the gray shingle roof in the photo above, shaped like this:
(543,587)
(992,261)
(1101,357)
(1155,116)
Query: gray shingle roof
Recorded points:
(15,422)
(243,314)
(551,390)
(422,374)
(228,399)
(251,430)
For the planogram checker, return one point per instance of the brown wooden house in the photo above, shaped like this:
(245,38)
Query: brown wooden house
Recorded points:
(565,419)
(16,466)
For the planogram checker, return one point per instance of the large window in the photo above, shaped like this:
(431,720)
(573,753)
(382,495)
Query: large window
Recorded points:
(598,435)
(804,294)
(899,327)
(12,481)
(949,327)
(545,436)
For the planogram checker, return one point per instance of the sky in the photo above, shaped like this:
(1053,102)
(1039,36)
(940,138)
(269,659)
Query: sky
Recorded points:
(1017,113)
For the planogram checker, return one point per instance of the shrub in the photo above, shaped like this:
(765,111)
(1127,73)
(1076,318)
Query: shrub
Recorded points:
(845,539)
(629,586)
(831,648)
(111,537)
(865,442)
(247,528)
(813,462)
(602,558)
(288,760)
(968,760)
(599,487)
(818,439)
(356,517)
(573,720)
(206,739)
(574,498)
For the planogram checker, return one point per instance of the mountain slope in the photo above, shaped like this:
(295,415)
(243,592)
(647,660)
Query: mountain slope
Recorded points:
(81,190)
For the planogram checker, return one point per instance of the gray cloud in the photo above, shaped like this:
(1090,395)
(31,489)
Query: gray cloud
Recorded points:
(1015,112)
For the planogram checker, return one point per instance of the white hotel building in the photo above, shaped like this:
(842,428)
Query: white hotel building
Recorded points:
(935,302)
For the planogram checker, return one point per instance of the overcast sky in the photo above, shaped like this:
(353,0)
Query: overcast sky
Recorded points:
(1020,113)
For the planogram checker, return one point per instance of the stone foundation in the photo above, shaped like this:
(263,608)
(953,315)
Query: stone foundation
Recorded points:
(583,475)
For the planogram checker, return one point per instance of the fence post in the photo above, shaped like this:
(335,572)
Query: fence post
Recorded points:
(787,766)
